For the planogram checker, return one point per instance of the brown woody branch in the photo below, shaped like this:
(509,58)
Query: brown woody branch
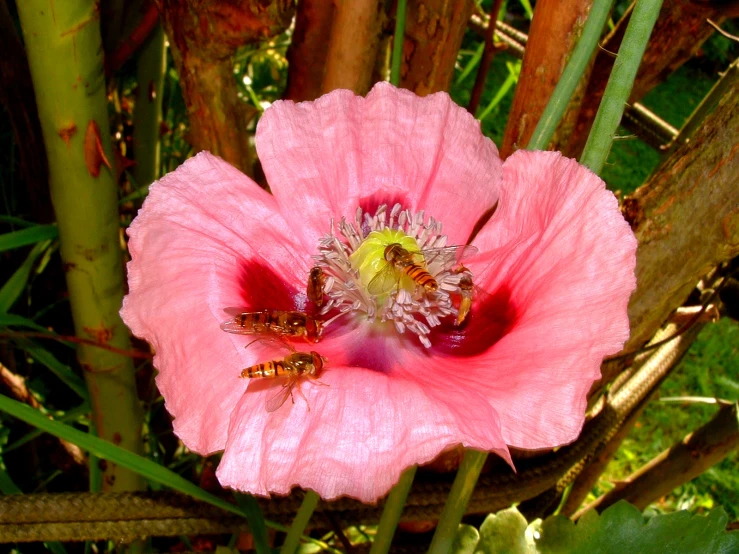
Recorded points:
(133,42)
(355,37)
(555,30)
(487,58)
(685,461)
(686,220)
(204,35)
(433,34)
(308,50)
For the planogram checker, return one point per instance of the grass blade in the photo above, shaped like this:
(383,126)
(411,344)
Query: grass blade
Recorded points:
(72,415)
(62,371)
(14,287)
(256,522)
(15,320)
(24,237)
(118,455)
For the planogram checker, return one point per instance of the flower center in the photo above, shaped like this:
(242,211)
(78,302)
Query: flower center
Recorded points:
(376,272)
(393,267)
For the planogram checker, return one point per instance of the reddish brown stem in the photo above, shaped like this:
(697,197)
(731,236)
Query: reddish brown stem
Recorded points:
(133,42)
(80,340)
(486,60)
(308,50)
(555,30)
(352,50)
(433,34)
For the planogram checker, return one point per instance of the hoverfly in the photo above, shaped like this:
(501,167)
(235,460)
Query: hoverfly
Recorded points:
(466,288)
(295,366)
(274,322)
(415,265)
(316,282)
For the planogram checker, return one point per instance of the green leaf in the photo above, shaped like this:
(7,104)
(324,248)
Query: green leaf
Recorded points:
(9,219)
(504,533)
(14,320)
(622,528)
(256,522)
(24,237)
(14,287)
(514,70)
(465,541)
(72,415)
(527,8)
(116,454)
(62,371)
(474,60)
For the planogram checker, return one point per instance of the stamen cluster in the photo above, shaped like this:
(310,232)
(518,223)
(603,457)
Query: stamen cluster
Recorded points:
(418,310)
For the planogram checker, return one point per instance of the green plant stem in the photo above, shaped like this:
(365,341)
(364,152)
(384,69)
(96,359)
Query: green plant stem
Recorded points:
(398,40)
(456,503)
(620,84)
(571,76)
(307,507)
(65,56)
(392,511)
(147,115)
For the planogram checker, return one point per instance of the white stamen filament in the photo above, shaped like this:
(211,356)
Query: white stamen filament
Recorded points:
(417,311)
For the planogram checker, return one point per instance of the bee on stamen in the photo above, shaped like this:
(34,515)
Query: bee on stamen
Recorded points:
(316,282)
(414,264)
(280,323)
(466,289)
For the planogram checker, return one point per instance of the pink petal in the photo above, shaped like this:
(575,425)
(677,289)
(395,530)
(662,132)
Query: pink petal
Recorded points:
(207,238)
(323,159)
(353,437)
(557,265)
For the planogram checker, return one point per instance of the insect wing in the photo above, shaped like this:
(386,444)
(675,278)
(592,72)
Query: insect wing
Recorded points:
(274,401)
(385,280)
(239,322)
(237,310)
(448,255)
(234,326)
(274,341)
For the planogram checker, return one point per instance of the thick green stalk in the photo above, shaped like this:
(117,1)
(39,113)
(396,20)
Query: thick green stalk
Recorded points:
(620,84)
(392,511)
(147,116)
(456,503)
(65,55)
(307,507)
(398,40)
(571,76)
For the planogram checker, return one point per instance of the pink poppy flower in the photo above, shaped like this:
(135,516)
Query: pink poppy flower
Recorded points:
(553,272)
